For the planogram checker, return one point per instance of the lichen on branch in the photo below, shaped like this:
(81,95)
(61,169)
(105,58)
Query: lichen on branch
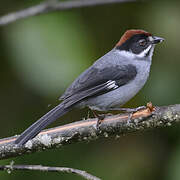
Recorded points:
(86,130)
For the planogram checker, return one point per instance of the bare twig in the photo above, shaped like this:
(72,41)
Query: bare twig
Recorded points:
(83,174)
(49,6)
(86,130)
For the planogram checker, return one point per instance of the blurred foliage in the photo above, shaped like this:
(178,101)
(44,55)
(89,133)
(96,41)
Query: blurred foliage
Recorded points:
(40,56)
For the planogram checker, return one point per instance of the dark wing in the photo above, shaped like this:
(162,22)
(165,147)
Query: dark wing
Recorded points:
(98,81)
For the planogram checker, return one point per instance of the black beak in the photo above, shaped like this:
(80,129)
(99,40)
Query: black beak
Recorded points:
(157,40)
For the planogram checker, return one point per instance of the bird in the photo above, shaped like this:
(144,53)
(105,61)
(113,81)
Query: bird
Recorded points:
(108,83)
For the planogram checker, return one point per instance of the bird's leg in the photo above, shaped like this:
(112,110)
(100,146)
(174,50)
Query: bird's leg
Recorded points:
(149,106)
(100,118)
(88,114)
(131,111)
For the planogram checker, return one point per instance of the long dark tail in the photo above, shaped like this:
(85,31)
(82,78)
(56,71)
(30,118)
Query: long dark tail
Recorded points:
(40,124)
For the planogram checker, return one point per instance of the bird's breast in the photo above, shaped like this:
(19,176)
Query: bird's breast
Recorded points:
(119,96)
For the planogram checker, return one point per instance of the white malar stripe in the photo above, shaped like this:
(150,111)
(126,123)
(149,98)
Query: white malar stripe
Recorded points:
(131,55)
(151,38)
(143,54)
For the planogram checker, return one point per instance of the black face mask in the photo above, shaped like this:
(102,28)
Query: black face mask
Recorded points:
(137,44)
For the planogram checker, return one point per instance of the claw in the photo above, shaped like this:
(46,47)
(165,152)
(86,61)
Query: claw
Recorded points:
(129,118)
(150,107)
(149,111)
(140,108)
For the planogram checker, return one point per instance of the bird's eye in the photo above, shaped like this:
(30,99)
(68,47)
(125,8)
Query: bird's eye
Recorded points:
(142,42)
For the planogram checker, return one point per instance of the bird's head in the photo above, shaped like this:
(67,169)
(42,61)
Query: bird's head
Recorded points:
(138,44)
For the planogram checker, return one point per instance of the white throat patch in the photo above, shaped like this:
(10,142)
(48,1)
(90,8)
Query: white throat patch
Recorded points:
(142,55)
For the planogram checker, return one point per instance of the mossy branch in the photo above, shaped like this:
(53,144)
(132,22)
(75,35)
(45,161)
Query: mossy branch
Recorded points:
(85,130)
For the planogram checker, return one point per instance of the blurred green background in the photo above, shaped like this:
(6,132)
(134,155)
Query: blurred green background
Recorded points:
(40,56)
